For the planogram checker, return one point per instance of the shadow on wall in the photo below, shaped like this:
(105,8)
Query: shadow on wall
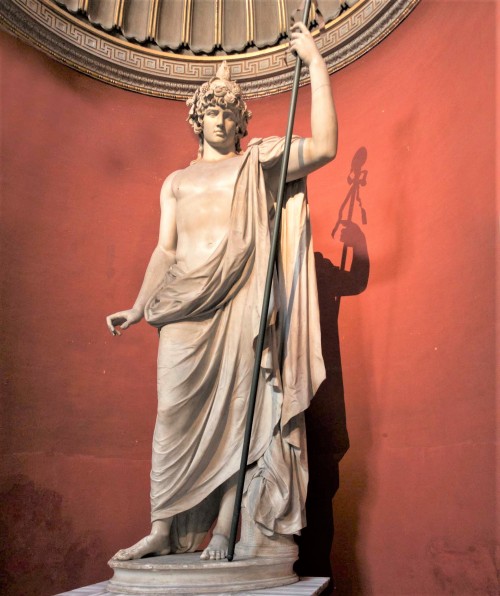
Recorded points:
(327,435)
(40,551)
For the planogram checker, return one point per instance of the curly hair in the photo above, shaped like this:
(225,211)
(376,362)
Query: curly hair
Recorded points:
(219,91)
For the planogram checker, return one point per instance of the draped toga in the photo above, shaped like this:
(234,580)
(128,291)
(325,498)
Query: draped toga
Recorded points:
(208,319)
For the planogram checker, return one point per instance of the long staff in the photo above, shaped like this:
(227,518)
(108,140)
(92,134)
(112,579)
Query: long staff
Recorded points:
(265,302)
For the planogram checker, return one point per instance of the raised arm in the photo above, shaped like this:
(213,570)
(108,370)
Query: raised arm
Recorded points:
(162,258)
(311,153)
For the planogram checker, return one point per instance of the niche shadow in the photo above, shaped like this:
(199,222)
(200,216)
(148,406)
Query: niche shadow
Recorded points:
(327,436)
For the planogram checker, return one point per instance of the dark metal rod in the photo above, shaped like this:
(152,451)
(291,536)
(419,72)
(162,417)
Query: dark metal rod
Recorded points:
(259,348)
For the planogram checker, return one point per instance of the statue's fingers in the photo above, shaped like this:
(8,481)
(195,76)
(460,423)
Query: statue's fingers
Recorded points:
(110,325)
(298,26)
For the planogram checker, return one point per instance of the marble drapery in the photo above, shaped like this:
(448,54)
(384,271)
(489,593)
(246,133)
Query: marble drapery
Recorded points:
(208,320)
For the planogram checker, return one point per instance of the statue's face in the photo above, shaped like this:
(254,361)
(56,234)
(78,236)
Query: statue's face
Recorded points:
(219,127)
(210,100)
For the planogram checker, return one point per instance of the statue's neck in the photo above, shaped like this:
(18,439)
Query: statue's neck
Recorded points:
(217,154)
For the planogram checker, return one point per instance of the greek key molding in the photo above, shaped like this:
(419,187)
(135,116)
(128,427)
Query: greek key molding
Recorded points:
(53,30)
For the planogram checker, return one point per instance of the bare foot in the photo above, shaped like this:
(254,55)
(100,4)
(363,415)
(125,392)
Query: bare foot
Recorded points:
(217,548)
(154,544)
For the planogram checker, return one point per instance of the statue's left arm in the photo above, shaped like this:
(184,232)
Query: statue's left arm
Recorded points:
(311,153)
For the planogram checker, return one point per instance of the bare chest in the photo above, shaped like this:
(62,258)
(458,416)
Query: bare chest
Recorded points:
(214,181)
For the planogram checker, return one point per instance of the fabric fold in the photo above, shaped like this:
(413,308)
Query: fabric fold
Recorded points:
(209,319)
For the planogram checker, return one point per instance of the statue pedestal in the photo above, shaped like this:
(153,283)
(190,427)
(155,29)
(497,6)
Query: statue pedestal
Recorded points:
(306,586)
(187,575)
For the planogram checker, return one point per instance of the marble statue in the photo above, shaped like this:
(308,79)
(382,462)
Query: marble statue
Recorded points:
(203,290)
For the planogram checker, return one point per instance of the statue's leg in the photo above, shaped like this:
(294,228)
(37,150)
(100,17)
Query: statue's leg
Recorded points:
(253,543)
(156,543)
(217,548)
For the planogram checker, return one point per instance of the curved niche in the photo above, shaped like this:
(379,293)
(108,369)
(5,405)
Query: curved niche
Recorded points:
(168,47)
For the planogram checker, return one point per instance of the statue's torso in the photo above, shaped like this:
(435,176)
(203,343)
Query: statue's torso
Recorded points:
(204,193)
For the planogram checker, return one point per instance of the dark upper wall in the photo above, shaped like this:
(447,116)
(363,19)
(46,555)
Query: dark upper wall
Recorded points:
(83,164)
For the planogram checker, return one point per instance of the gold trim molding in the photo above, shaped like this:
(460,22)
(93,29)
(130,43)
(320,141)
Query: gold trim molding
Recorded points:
(74,42)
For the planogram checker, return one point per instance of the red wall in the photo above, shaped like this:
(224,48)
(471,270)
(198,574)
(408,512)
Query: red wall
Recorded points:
(82,168)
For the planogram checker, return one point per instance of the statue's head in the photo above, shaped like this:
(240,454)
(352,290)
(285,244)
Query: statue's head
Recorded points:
(219,91)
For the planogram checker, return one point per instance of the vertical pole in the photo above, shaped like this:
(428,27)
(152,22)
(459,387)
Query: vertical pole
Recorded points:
(259,348)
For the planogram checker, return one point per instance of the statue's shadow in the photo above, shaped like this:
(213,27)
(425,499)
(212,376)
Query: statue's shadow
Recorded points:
(327,436)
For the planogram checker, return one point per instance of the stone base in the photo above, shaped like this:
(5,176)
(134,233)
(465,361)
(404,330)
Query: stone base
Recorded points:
(188,575)
(306,586)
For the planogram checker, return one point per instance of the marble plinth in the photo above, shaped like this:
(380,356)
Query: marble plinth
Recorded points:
(306,586)
(187,575)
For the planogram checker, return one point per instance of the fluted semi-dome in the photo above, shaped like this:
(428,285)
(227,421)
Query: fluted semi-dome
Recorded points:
(199,26)
(168,47)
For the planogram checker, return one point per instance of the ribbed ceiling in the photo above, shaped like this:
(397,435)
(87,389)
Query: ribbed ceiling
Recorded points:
(167,48)
(198,26)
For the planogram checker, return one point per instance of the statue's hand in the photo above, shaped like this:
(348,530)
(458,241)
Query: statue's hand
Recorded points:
(302,43)
(123,319)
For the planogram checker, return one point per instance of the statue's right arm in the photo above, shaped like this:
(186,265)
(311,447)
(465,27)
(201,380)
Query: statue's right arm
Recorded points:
(162,258)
